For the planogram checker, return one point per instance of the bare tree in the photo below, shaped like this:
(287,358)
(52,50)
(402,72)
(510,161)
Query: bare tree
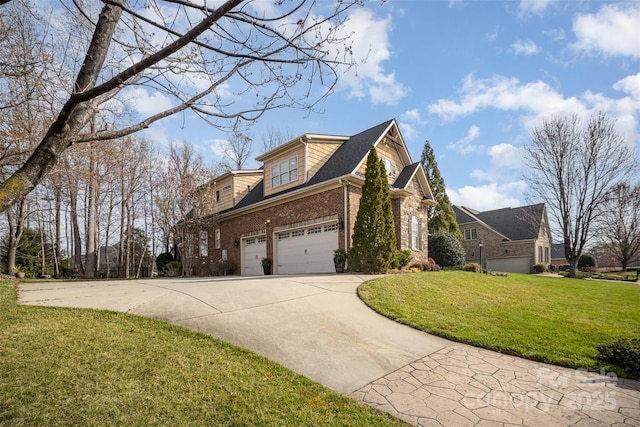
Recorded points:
(619,226)
(235,153)
(572,168)
(268,58)
(275,137)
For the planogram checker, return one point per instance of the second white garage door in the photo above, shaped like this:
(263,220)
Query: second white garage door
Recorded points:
(306,250)
(253,250)
(511,265)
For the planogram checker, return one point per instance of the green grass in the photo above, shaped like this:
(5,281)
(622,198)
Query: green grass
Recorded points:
(63,366)
(554,320)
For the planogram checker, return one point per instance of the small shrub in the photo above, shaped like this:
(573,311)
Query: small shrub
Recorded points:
(473,267)
(539,268)
(623,353)
(401,258)
(174,268)
(163,259)
(225,267)
(586,261)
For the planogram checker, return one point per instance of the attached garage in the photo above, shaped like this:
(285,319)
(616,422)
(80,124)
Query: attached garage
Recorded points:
(306,250)
(253,250)
(510,265)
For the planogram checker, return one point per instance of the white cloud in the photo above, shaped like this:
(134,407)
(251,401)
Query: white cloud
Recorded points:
(371,48)
(525,48)
(146,104)
(613,31)
(463,145)
(533,7)
(409,121)
(487,197)
(505,156)
(556,34)
(507,94)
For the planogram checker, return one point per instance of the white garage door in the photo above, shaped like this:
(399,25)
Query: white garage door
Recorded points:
(307,250)
(253,250)
(511,265)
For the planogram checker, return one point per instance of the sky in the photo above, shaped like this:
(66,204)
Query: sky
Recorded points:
(472,78)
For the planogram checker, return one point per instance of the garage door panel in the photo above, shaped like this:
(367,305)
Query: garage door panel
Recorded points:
(307,250)
(253,250)
(511,265)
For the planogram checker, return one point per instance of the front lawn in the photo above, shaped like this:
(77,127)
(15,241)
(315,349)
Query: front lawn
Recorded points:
(62,366)
(549,319)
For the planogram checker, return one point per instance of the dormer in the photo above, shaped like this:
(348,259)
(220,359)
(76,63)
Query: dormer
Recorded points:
(225,191)
(295,162)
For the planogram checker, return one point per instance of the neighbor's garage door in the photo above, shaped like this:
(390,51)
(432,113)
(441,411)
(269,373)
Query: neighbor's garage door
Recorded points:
(511,265)
(253,250)
(307,250)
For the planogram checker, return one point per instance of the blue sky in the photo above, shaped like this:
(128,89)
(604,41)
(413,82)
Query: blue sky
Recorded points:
(472,77)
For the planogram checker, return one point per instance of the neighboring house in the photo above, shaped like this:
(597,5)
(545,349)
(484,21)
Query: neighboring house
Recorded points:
(512,239)
(302,203)
(557,255)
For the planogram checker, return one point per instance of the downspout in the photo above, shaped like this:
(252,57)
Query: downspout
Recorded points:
(345,203)
(306,158)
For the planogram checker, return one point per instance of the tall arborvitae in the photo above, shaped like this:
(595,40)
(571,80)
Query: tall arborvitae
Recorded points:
(374,235)
(441,216)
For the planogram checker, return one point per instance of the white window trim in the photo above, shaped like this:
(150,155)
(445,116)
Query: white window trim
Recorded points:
(415,233)
(204,243)
(471,232)
(284,172)
(390,166)
(217,238)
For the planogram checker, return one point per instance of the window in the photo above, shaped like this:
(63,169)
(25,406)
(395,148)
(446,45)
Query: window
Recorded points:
(217,196)
(332,227)
(226,188)
(540,254)
(470,234)
(415,233)
(262,239)
(546,255)
(284,172)
(204,243)
(285,235)
(189,243)
(314,230)
(297,233)
(390,166)
(217,238)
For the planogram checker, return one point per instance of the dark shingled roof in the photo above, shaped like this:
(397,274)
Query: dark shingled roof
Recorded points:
(405,176)
(462,217)
(342,162)
(521,223)
(348,156)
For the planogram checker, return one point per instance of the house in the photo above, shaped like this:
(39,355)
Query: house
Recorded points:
(557,256)
(302,203)
(509,239)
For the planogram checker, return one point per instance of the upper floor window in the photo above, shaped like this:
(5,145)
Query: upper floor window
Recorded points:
(390,166)
(284,172)
(217,196)
(470,234)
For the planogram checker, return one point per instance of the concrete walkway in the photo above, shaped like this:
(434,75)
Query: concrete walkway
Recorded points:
(317,326)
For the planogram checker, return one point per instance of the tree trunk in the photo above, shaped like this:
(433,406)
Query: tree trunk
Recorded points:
(16,227)
(56,244)
(75,229)
(90,261)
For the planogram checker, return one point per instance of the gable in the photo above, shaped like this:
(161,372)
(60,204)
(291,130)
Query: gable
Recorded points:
(522,223)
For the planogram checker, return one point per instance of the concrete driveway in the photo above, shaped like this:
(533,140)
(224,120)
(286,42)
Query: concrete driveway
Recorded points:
(312,324)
